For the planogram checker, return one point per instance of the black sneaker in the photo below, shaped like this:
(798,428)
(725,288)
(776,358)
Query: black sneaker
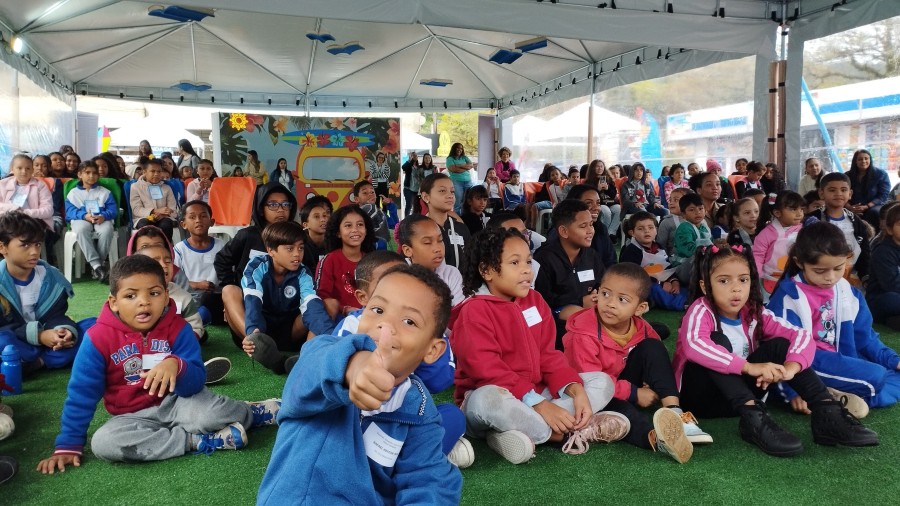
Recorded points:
(290,362)
(216,369)
(266,352)
(758,428)
(8,468)
(101,274)
(833,425)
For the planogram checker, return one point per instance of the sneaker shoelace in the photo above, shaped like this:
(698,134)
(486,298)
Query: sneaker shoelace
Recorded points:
(208,444)
(576,443)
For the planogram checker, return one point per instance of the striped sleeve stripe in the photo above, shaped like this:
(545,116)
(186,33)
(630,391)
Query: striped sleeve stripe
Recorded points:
(803,338)
(695,317)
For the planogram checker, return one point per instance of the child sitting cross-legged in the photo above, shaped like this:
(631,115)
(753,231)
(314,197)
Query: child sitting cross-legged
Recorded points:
(91,208)
(144,361)
(515,387)
(730,350)
(34,298)
(194,257)
(280,301)
(642,249)
(357,425)
(437,376)
(613,338)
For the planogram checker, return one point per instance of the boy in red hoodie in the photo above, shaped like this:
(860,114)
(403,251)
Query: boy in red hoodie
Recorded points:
(144,361)
(613,338)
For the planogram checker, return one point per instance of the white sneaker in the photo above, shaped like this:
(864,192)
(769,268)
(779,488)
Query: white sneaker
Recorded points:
(264,412)
(462,455)
(512,445)
(668,437)
(854,403)
(692,429)
(232,437)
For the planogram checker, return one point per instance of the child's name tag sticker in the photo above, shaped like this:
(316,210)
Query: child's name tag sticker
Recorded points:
(457,240)
(380,447)
(20,198)
(532,316)
(156,192)
(584,276)
(255,253)
(151,360)
(92,206)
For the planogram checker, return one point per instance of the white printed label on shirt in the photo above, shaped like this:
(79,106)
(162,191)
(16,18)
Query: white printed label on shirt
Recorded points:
(532,316)
(151,360)
(256,253)
(290,291)
(177,307)
(20,198)
(92,206)
(380,447)
(156,192)
(457,240)
(584,276)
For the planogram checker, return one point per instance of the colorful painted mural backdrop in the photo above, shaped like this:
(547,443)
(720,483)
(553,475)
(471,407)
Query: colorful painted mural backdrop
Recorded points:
(327,155)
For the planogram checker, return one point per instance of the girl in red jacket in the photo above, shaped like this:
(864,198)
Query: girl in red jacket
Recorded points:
(514,387)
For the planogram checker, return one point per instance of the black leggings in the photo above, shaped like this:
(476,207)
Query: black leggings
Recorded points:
(710,394)
(167,225)
(649,363)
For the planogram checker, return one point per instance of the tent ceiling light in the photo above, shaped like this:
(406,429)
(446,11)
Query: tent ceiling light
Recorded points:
(436,82)
(501,56)
(321,37)
(532,44)
(191,86)
(348,48)
(17,44)
(179,14)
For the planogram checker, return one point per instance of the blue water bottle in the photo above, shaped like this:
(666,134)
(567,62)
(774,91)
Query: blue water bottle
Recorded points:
(11,368)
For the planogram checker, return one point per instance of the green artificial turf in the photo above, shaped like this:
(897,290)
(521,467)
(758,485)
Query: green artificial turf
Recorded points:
(726,472)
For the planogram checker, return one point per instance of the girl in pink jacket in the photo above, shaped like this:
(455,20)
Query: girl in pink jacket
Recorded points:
(23,192)
(730,350)
(771,245)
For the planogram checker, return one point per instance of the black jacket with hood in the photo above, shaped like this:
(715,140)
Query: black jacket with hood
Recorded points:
(231,260)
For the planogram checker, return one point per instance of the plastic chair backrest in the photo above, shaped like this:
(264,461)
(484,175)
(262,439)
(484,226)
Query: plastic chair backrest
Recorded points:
(530,190)
(49,181)
(661,185)
(733,179)
(619,183)
(231,199)
(177,187)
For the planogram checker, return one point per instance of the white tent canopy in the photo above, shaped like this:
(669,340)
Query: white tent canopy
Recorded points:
(160,134)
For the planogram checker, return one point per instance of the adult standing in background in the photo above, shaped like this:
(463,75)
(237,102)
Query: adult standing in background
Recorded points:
(282,175)
(412,177)
(870,185)
(187,157)
(380,177)
(144,149)
(255,168)
(459,169)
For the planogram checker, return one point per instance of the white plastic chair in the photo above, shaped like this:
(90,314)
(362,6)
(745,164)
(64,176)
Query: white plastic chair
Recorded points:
(72,254)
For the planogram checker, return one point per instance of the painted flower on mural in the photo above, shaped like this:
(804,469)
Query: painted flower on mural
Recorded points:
(391,146)
(338,140)
(324,139)
(351,143)
(253,121)
(394,188)
(351,124)
(280,124)
(238,121)
(337,123)
(310,140)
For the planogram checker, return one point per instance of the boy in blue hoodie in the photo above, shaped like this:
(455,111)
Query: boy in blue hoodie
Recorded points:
(34,298)
(279,294)
(357,426)
(144,361)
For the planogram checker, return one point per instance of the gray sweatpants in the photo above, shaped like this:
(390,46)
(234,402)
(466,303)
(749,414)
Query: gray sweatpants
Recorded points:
(164,431)
(494,408)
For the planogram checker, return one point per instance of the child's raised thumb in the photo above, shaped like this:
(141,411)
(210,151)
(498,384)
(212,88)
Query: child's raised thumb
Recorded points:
(385,345)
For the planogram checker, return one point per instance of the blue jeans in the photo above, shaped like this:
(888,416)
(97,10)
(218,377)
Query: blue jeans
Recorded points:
(460,188)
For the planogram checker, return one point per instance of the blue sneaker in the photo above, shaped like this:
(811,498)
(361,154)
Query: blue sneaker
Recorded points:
(264,412)
(232,437)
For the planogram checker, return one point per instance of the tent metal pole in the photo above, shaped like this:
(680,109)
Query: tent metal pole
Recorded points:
(590,125)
